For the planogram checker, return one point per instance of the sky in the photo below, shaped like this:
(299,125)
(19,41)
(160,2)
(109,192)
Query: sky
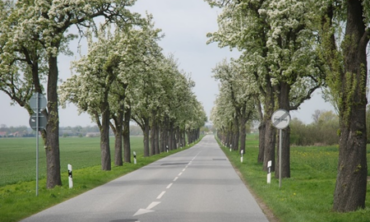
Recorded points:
(185,24)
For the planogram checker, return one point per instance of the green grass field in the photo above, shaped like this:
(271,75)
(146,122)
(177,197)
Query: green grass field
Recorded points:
(308,194)
(18,156)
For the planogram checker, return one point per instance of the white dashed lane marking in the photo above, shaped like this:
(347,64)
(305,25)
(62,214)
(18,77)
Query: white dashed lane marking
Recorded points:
(169,185)
(161,195)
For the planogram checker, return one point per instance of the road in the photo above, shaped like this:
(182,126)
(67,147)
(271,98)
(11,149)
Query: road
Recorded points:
(198,184)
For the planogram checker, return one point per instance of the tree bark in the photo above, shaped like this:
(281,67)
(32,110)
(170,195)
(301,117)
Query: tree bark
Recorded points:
(171,137)
(52,128)
(126,136)
(156,139)
(243,133)
(146,137)
(261,131)
(235,140)
(152,136)
(261,138)
(350,189)
(283,99)
(118,139)
(270,131)
(104,137)
(162,143)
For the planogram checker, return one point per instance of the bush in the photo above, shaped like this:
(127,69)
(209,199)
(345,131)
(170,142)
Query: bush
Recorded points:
(323,131)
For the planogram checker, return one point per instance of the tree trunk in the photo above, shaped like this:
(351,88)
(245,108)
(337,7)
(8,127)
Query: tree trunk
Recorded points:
(350,189)
(261,131)
(283,99)
(126,136)
(261,137)
(104,138)
(152,137)
(188,133)
(183,138)
(228,137)
(118,139)
(243,133)
(162,144)
(270,132)
(270,138)
(177,138)
(156,140)
(146,137)
(171,137)
(236,128)
(52,128)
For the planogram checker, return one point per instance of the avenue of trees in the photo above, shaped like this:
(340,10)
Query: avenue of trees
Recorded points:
(124,76)
(288,50)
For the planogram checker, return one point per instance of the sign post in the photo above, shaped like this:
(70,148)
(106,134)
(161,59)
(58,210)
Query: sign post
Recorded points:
(37,104)
(280,120)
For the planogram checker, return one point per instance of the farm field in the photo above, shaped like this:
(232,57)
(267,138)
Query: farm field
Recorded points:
(18,156)
(308,194)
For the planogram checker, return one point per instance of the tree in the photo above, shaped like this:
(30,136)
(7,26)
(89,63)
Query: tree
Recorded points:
(347,74)
(107,79)
(236,89)
(368,124)
(277,40)
(145,95)
(45,23)
(295,66)
(90,90)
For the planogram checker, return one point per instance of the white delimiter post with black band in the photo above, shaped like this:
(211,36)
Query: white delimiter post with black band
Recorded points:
(269,163)
(134,154)
(280,120)
(70,177)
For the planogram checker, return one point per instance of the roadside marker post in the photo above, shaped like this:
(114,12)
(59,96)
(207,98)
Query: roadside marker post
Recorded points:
(167,148)
(241,155)
(269,171)
(280,120)
(70,179)
(134,153)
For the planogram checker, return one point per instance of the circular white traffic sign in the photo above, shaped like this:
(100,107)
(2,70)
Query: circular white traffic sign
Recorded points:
(37,101)
(280,119)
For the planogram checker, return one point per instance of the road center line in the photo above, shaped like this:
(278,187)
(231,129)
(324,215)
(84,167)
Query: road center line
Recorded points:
(161,194)
(180,173)
(175,178)
(169,185)
(183,169)
(153,204)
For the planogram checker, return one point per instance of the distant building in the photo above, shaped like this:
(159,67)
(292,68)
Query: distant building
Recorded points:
(92,134)
(16,134)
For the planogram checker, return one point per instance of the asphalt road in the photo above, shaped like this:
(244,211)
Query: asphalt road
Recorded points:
(198,184)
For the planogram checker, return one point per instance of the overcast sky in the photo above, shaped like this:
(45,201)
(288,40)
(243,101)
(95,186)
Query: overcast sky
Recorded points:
(185,24)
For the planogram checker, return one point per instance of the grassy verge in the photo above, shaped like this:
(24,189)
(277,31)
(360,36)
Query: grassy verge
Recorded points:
(308,194)
(17,195)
